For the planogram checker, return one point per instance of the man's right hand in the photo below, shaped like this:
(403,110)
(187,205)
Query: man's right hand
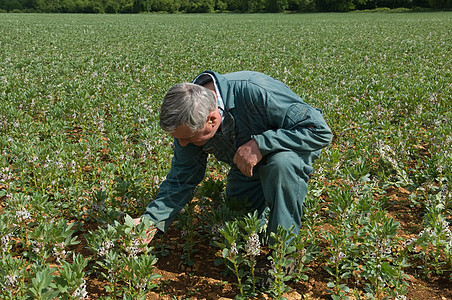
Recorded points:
(247,156)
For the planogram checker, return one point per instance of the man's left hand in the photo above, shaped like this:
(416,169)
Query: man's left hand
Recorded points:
(247,156)
(150,232)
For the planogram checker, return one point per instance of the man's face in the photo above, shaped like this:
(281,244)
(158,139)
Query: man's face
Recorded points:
(199,137)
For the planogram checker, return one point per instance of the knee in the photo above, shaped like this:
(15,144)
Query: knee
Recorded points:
(288,163)
(283,161)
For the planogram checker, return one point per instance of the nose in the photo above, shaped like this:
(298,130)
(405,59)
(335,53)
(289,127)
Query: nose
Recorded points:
(183,142)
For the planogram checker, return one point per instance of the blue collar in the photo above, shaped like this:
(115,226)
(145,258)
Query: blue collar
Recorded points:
(202,79)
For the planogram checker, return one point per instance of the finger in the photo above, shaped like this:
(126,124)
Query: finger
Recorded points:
(150,233)
(248,171)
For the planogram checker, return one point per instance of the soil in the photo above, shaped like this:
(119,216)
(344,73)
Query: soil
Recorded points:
(207,281)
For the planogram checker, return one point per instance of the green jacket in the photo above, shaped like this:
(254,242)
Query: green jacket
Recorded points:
(257,107)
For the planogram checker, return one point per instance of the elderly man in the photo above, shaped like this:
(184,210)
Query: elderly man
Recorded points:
(257,125)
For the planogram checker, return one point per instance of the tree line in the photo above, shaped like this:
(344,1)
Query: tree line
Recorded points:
(205,6)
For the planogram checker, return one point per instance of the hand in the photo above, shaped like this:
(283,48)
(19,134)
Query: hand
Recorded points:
(247,156)
(150,232)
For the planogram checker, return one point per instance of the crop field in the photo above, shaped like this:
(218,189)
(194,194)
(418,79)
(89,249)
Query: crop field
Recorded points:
(82,154)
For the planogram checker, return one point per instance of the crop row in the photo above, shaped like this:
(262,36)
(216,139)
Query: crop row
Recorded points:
(81,150)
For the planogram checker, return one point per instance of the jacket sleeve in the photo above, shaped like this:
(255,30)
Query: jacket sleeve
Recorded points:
(291,124)
(188,167)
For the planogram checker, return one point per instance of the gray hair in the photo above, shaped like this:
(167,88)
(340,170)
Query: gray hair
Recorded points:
(186,103)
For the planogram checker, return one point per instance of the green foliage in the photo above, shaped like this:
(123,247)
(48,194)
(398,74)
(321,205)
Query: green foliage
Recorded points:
(41,285)
(71,283)
(13,272)
(231,252)
(123,258)
(81,148)
(188,225)
(282,248)
(240,249)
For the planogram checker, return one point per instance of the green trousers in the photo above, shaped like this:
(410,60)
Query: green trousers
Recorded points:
(279,184)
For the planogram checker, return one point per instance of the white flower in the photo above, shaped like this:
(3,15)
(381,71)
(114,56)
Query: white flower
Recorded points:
(80,292)
(11,280)
(156,180)
(141,285)
(409,242)
(427,231)
(37,246)
(216,231)
(59,254)
(108,244)
(234,250)
(101,251)
(5,241)
(134,249)
(22,215)
(253,245)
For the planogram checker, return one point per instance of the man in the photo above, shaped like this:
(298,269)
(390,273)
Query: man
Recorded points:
(257,125)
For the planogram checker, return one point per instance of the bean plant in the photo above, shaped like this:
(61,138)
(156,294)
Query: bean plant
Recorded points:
(282,248)
(81,151)
(123,258)
(188,225)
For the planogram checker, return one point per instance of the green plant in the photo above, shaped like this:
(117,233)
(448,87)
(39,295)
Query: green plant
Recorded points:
(41,285)
(282,249)
(123,258)
(339,269)
(251,226)
(188,225)
(13,274)
(71,283)
(378,268)
(231,252)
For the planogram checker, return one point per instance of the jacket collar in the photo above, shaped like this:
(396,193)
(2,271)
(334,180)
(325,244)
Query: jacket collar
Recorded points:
(222,84)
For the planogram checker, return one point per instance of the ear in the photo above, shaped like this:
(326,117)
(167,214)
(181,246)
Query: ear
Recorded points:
(213,118)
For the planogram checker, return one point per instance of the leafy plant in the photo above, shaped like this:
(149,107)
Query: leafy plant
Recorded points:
(282,249)
(251,226)
(188,225)
(123,258)
(231,251)
(71,283)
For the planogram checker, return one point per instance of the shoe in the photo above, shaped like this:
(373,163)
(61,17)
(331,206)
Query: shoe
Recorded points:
(290,268)
(265,277)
